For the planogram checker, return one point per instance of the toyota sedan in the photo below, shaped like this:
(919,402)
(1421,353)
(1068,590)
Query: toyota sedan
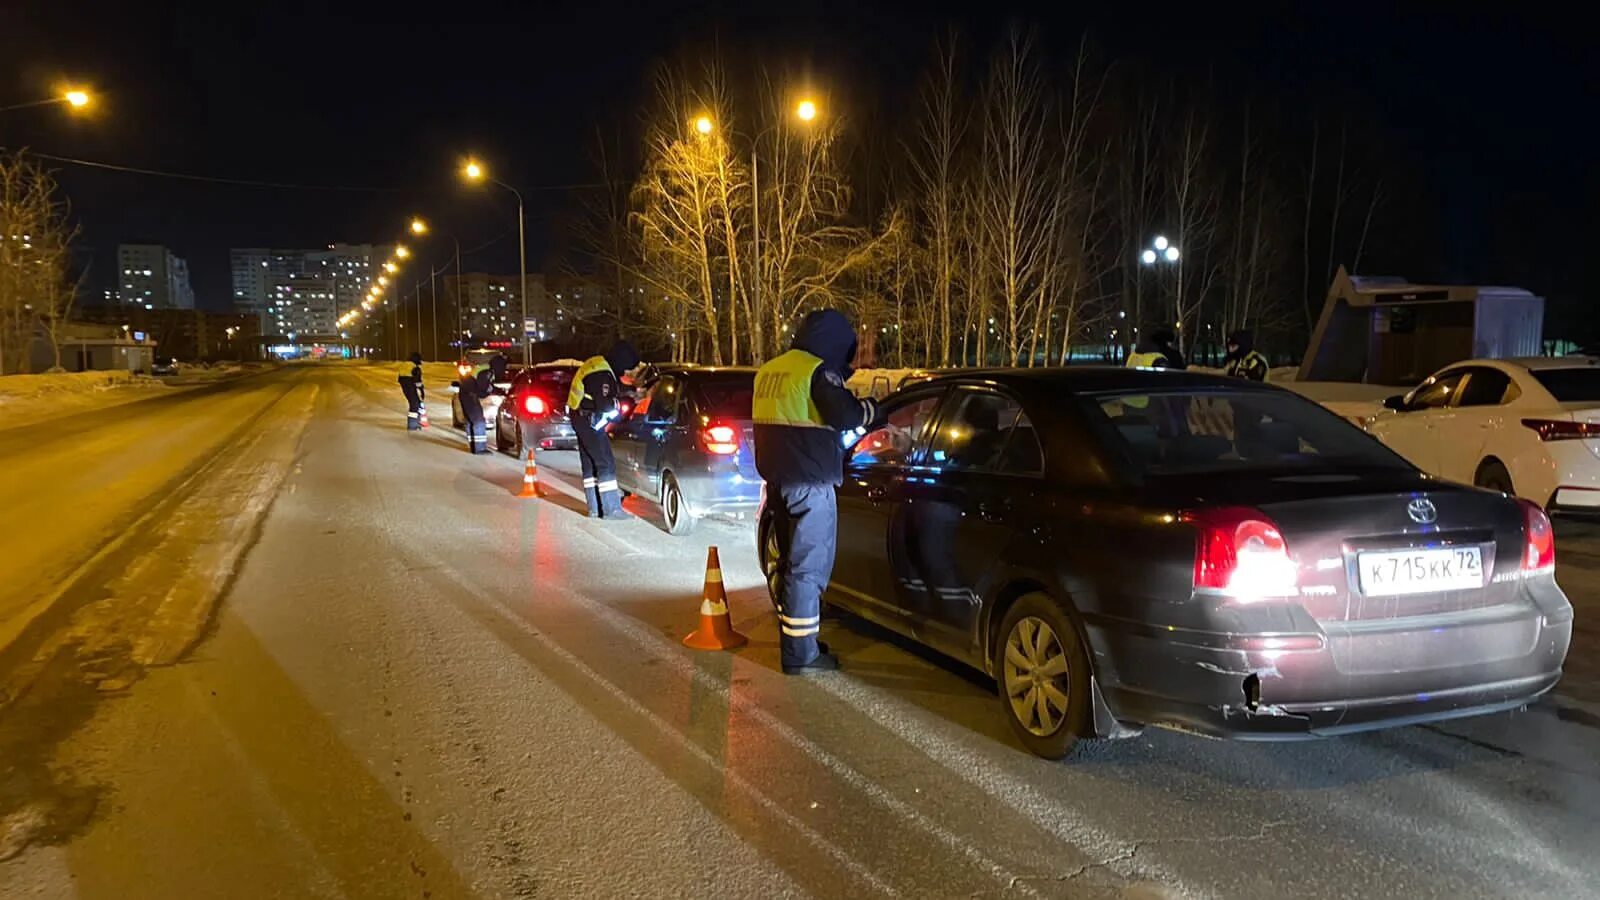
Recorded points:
(1121,548)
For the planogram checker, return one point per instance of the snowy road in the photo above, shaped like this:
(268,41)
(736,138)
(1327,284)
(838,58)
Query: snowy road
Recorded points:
(417,685)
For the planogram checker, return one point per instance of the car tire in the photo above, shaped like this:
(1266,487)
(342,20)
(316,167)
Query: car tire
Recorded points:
(1040,659)
(675,515)
(1492,475)
(767,553)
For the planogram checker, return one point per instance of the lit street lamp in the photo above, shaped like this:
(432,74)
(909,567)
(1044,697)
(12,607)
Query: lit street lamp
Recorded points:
(473,171)
(419,227)
(77,98)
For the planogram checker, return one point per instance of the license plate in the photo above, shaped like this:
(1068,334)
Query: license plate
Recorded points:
(1420,571)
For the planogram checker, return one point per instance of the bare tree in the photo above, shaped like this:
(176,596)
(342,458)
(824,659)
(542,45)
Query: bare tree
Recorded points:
(934,158)
(35,238)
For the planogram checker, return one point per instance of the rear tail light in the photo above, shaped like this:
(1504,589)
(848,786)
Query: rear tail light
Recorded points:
(1241,552)
(535,405)
(1562,429)
(1539,540)
(624,407)
(722,440)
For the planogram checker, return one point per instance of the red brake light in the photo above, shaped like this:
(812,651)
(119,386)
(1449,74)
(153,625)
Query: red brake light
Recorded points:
(1562,429)
(722,440)
(623,408)
(1241,552)
(535,405)
(1539,541)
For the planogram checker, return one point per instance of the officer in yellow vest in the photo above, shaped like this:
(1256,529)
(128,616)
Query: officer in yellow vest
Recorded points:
(804,416)
(591,406)
(410,379)
(1157,349)
(1243,361)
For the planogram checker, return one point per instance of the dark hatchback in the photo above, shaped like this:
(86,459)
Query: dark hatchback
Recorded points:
(1120,547)
(687,444)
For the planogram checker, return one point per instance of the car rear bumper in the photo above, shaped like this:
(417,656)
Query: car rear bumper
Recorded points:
(1316,682)
(549,435)
(719,493)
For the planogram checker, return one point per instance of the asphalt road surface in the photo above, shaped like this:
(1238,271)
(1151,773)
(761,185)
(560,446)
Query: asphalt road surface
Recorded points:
(417,685)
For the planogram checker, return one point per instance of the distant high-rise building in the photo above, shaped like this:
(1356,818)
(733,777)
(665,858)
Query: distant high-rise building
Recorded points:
(149,276)
(303,292)
(491,306)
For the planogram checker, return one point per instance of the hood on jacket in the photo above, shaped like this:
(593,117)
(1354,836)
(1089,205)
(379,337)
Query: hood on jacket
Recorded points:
(416,359)
(1244,340)
(1157,340)
(497,365)
(622,357)
(827,335)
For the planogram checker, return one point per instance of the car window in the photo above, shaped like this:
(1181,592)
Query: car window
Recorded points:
(1573,385)
(724,396)
(1485,387)
(892,443)
(1175,432)
(986,433)
(660,405)
(1436,392)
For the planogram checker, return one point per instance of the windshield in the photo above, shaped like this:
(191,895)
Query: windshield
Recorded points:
(725,396)
(1173,432)
(1571,385)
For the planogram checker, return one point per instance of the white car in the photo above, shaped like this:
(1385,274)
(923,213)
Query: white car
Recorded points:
(490,404)
(1528,427)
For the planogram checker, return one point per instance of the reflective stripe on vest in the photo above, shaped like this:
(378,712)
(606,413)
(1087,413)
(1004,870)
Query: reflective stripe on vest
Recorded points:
(576,395)
(1144,360)
(783,392)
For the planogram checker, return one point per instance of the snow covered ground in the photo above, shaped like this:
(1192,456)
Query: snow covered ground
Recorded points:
(30,399)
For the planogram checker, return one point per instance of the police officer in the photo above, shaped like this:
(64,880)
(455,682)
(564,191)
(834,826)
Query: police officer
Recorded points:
(471,393)
(410,379)
(1243,361)
(591,406)
(1158,349)
(803,414)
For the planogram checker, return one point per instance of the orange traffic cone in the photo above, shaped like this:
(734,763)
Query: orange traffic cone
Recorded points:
(423,409)
(716,629)
(530,478)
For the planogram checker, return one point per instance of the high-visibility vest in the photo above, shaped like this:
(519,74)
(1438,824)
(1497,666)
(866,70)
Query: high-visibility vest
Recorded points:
(1145,360)
(1241,367)
(576,395)
(783,392)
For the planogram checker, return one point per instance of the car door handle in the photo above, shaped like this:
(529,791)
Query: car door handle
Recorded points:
(993,512)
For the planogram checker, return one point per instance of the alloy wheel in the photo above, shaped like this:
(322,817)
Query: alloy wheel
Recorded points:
(1037,679)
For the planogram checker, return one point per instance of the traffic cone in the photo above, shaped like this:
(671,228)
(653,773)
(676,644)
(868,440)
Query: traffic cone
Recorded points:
(423,408)
(716,629)
(530,477)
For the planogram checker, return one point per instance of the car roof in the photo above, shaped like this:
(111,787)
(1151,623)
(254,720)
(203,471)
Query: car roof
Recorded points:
(1531,363)
(1093,379)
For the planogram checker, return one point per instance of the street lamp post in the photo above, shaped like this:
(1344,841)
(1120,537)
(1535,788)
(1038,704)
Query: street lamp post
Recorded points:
(474,171)
(77,98)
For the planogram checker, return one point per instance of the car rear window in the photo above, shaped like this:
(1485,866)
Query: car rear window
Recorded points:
(550,380)
(727,396)
(1571,385)
(1173,432)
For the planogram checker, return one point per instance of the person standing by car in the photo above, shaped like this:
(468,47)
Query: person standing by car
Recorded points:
(804,417)
(411,385)
(1243,361)
(1158,349)
(591,406)
(473,390)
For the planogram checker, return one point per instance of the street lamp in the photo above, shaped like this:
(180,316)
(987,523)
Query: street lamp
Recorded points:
(77,98)
(807,110)
(418,226)
(474,171)
(703,125)
(400,251)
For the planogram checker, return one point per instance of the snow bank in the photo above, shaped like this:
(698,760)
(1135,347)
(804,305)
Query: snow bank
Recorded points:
(878,383)
(23,387)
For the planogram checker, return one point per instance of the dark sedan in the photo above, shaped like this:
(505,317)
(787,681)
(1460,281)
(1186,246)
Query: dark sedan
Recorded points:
(688,444)
(1120,547)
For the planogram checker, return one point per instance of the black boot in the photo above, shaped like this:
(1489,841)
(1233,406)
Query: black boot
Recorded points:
(593,496)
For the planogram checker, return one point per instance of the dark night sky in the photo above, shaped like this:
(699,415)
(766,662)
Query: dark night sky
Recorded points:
(1489,114)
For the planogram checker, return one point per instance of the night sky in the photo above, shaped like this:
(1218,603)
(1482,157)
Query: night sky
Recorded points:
(1487,120)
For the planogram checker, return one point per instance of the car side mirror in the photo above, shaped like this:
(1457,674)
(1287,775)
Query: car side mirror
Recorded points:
(1396,403)
(880,387)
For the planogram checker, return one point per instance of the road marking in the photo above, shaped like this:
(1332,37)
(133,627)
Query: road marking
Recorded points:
(650,641)
(625,699)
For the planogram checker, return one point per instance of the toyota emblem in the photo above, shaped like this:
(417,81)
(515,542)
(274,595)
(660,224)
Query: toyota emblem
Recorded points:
(1422,511)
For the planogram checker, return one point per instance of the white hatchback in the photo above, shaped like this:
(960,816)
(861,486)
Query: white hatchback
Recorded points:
(1528,427)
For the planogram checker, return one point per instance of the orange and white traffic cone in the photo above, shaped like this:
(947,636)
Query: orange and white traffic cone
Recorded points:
(716,629)
(530,477)
(423,409)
